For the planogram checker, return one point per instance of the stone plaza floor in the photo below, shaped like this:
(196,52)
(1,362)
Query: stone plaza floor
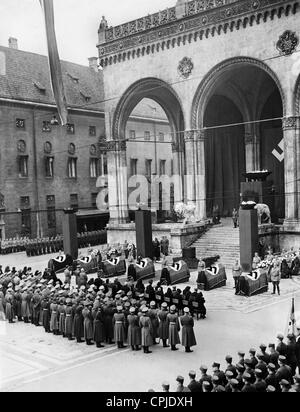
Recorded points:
(32,361)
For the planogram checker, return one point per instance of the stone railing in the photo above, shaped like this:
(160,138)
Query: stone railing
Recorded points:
(162,17)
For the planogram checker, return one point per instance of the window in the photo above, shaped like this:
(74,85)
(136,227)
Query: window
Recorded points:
(161,137)
(172,167)
(23,166)
(132,135)
(148,167)
(147,135)
(133,167)
(72,167)
(70,128)
(51,215)
(46,126)
(74,201)
(92,131)
(162,167)
(94,167)
(20,123)
(49,170)
(94,200)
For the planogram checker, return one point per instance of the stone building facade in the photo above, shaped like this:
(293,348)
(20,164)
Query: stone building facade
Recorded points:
(227,74)
(45,167)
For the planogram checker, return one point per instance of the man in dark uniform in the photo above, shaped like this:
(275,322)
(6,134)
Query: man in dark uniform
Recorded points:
(241,355)
(150,291)
(281,346)
(274,355)
(230,367)
(249,370)
(271,379)
(262,365)
(284,371)
(254,360)
(260,384)
(194,386)
(219,373)
(248,386)
(204,376)
(240,369)
(266,356)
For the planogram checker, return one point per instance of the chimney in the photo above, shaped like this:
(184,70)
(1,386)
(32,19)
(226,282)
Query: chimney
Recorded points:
(13,43)
(93,63)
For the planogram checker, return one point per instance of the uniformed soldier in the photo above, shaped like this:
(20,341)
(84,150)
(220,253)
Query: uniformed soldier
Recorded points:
(145,324)
(154,321)
(174,328)
(134,330)
(188,336)
(163,328)
(181,387)
(194,386)
(119,327)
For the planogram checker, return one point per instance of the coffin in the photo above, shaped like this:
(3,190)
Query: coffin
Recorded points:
(89,263)
(253,283)
(60,263)
(213,277)
(179,273)
(113,267)
(145,270)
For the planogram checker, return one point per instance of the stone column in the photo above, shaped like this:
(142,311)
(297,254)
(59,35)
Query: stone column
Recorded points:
(190,155)
(117,181)
(178,173)
(250,151)
(200,176)
(290,129)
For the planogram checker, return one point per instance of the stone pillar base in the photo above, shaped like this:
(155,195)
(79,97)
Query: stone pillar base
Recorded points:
(291,225)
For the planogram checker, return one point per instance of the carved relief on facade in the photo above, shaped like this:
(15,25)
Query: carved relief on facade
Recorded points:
(287,43)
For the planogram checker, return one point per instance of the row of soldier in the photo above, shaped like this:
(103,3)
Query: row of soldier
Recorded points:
(272,370)
(47,245)
(93,313)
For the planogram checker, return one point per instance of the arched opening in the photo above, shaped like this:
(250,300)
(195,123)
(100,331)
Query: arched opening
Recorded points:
(149,117)
(230,104)
(225,155)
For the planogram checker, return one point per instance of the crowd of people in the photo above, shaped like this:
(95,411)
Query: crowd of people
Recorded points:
(269,369)
(100,310)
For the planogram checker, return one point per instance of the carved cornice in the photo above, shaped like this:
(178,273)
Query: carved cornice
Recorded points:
(290,123)
(192,27)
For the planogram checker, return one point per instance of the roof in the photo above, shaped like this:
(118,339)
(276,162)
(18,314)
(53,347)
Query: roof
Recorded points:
(25,76)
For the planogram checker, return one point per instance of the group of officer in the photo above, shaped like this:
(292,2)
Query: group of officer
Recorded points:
(99,313)
(271,369)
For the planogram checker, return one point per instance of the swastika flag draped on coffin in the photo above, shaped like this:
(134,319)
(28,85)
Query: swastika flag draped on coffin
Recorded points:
(54,62)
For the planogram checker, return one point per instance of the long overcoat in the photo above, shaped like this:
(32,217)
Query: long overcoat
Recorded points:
(134,330)
(88,324)
(78,323)
(119,327)
(145,324)
(99,331)
(188,336)
(174,328)
(163,328)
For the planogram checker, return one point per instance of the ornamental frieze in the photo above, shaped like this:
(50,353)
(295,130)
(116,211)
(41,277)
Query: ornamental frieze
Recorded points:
(201,22)
(287,43)
(115,146)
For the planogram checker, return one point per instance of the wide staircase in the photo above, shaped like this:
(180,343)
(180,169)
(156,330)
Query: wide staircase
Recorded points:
(220,240)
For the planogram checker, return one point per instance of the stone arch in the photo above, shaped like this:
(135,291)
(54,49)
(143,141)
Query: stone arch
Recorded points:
(157,90)
(297,98)
(207,85)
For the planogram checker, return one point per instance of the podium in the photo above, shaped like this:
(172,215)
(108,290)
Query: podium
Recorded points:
(70,233)
(143,227)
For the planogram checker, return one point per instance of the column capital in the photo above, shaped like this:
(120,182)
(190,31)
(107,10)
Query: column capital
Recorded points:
(291,123)
(249,138)
(115,146)
(189,136)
